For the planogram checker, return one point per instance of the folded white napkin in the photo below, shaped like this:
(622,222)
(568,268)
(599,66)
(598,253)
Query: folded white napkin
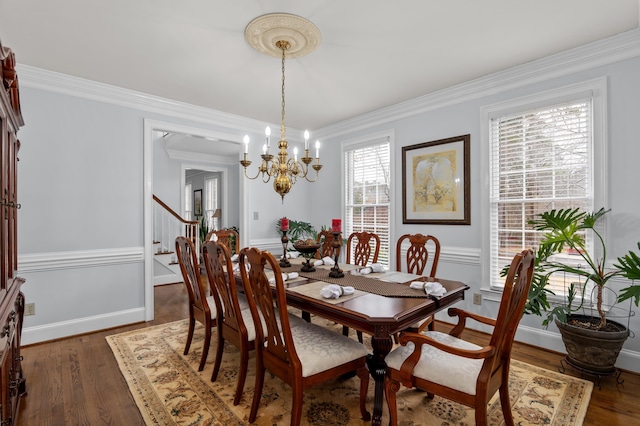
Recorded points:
(292,254)
(285,277)
(333,291)
(431,288)
(324,261)
(375,267)
(235,257)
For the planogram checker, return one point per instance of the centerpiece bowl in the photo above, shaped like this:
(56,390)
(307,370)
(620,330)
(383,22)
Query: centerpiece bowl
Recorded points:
(308,251)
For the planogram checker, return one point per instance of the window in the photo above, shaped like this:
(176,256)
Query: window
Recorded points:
(188,202)
(211,202)
(367,183)
(541,157)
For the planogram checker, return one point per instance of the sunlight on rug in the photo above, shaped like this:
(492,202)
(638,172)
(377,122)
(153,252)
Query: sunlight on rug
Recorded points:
(168,390)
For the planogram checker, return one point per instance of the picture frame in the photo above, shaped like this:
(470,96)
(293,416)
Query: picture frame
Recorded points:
(435,182)
(197,202)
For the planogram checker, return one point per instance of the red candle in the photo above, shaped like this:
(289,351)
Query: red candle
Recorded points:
(336,225)
(284,224)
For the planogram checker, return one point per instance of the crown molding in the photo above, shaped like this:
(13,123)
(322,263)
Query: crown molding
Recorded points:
(51,81)
(602,52)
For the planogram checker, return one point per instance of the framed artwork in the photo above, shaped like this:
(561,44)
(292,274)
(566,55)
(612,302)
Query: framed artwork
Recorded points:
(197,202)
(435,182)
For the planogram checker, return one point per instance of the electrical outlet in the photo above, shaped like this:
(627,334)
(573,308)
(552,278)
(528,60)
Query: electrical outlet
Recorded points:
(29,309)
(477,299)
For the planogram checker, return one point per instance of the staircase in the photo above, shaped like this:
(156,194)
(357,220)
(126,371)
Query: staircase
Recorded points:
(167,225)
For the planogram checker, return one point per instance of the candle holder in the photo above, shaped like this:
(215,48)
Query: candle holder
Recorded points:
(336,272)
(284,262)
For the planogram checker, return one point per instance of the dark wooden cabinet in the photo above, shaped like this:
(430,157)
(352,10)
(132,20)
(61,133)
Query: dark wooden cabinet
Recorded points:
(12,382)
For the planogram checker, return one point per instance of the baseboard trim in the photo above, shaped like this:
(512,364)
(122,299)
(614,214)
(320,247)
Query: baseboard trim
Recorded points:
(43,333)
(166,279)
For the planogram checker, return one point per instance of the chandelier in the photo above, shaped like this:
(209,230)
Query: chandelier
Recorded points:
(282,31)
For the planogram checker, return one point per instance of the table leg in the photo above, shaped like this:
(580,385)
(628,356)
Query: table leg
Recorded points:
(378,370)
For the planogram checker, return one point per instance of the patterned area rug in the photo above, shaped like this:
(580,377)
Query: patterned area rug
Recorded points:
(169,390)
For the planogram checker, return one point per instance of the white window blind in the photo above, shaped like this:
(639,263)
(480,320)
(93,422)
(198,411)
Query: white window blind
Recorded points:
(211,201)
(540,159)
(188,202)
(367,183)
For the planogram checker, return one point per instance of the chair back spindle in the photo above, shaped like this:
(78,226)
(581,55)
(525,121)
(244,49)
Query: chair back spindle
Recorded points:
(361,245)
(326,249)
(418,253)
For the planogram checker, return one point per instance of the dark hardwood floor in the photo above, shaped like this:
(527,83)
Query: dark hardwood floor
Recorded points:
(76,381)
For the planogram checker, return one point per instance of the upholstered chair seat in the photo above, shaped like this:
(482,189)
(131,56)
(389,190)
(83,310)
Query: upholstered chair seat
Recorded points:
(294,321)
(321,349)
(440,367)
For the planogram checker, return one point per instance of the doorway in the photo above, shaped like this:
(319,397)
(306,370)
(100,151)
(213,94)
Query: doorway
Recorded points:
(189,148)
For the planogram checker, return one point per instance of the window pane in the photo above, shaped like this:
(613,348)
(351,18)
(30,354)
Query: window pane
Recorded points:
(539,160)
(187,201)
(211,201)
(367,193)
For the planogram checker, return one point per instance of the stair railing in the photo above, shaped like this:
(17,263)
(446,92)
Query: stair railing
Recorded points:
(167,225)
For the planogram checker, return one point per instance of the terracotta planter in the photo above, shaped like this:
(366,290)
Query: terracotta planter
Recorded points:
(590,350)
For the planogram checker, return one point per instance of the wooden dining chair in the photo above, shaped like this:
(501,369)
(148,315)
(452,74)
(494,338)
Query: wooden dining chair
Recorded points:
(235,323)
(301,356)
(416,261)
(360,243)
(325,238)
(455,369)
(417,256)
(228,237)
(202,307)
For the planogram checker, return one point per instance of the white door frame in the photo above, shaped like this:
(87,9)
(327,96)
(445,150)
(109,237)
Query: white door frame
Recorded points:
(151,126)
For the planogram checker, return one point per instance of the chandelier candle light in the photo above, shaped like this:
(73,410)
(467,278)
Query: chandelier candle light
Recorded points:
(279,33)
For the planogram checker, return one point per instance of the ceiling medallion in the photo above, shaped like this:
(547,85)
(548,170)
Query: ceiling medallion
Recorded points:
(265,31)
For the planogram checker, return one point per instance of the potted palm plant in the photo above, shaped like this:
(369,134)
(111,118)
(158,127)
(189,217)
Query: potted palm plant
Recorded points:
(592,341)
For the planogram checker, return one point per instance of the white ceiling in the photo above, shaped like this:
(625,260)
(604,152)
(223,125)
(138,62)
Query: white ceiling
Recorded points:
(373,54)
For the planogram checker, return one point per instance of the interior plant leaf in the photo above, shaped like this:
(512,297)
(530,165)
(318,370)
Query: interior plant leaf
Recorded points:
(561,227)
(298,230)
(629,266)
(590,219)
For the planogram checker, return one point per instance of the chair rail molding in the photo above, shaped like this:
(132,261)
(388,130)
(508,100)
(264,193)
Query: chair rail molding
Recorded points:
(38,262)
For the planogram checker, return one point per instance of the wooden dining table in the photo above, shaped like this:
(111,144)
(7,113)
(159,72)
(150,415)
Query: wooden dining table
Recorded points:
(380,316)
